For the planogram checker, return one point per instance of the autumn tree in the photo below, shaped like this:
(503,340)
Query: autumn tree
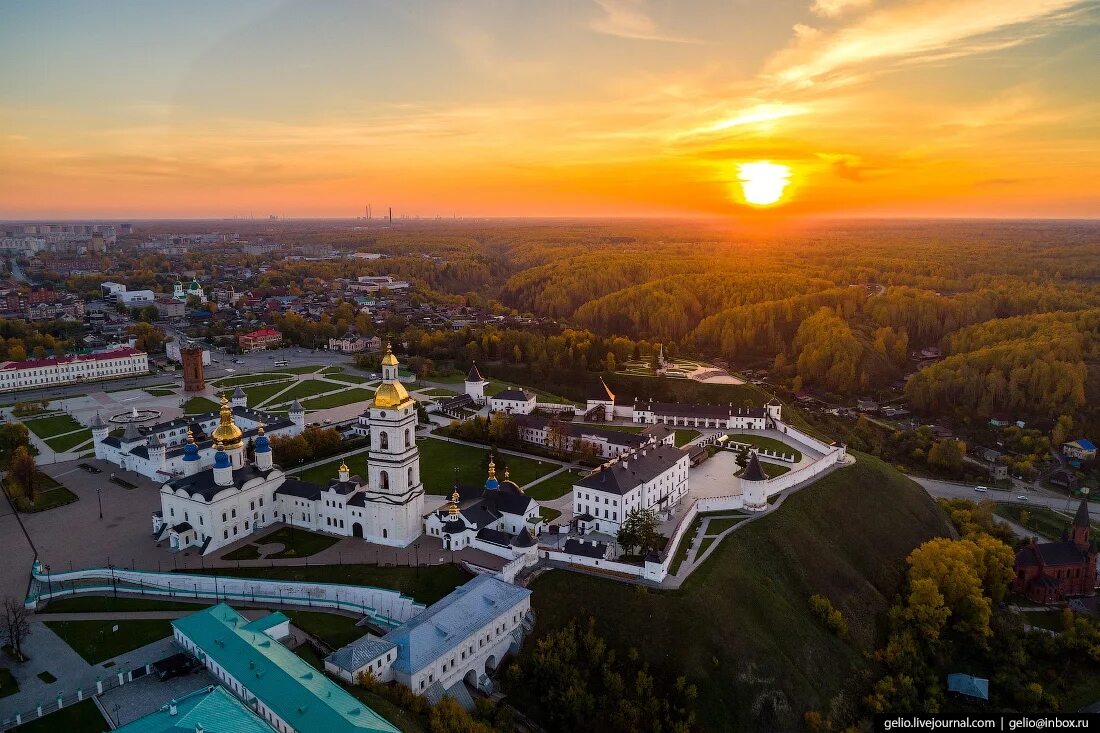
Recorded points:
(23,474)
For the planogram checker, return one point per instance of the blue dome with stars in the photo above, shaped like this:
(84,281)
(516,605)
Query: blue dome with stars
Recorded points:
(221,459)
(190,452)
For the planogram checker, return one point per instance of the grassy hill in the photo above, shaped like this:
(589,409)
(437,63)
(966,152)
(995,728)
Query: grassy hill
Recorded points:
(741,627)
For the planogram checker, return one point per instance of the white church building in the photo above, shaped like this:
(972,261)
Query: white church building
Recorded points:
(210,508)
(159,451)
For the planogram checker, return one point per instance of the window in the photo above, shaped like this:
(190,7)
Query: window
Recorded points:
(384,481)
(411,482)
(384,441)
(408,439)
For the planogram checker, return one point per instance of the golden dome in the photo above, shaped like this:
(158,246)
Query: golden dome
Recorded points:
(343,467)
(389,359)
(452,509)
(227,432)
(390,394)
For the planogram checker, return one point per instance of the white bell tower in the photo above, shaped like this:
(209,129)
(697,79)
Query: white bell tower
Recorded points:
(394,499)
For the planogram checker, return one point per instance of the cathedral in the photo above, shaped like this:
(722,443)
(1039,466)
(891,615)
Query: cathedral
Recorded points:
(212,507)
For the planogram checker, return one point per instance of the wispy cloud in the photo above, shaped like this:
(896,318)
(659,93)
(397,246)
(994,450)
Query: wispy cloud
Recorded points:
(628,19)
(929,28)
(834,8)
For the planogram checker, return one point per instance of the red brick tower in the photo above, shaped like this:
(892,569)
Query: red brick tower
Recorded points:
(194,379)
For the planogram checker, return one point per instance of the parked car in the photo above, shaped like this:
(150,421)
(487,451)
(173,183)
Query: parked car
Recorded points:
(1021,497)
(981,489)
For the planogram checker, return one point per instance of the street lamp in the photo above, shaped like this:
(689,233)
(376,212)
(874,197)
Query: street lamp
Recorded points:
(99,498)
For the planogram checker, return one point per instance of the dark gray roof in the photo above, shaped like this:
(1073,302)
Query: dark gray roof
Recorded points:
(344,487)
(202,483)
(1060,553)
(753,471)
(238,394)
(296,406)
(359,653)
(515,395)
(494,537)
(474,375)
(524,539)
(632,470)
(98,422)
(576,430)
(597,550)
(132,434)
(299,488)
(182,527)
(720,412)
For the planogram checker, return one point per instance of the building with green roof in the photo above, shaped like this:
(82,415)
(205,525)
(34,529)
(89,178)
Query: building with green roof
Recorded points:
(283,689)
(211,710)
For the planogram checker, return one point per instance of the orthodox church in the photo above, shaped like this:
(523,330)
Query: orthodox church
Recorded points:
(180,293)
(159,451)
(211,508)
(497,518)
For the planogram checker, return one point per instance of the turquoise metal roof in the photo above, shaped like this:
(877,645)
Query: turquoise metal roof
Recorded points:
(216,710)
(299,694)
(445,624)
(269,621)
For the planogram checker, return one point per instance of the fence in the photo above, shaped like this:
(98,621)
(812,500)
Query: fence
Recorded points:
(64,700)
(387,608)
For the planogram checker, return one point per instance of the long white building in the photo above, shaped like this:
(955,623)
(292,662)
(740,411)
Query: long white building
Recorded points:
(57,370)
(653,477)
(460,639)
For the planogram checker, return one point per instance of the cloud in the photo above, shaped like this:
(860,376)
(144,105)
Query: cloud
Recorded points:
(628,19)
(834,8)
(924,29)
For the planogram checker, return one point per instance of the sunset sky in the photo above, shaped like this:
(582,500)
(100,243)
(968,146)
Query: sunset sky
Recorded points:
(571,107)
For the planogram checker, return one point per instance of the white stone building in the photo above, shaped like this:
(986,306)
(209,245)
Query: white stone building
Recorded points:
(653,477)
(577,437)
(514,401)
(497,518)
(56,370)
(722,417)
(475,385)
(461,638)
(159,451)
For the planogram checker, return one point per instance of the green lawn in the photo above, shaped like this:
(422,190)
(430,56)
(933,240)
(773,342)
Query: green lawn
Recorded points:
(244,379)
(303,390)
(771,470)
(338,399)
(438,459)
(548,514)
(438,392)
(99,604)
(330,628)
(707,542)
(48,427)
(301,369)
(199,405)
(68,442)
(721,524)
(348,378)
(426,585)
(684,546)
(497,386)
(50,496)
(82,717)
(96,642)
(244,552)
(752,631)
(297,542)
(685,436)
(766,443)
(452,378)
(554,487)
(1044,522)
(260,393)
(160,392)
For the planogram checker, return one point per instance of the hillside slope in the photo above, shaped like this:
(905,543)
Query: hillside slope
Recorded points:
(741,628)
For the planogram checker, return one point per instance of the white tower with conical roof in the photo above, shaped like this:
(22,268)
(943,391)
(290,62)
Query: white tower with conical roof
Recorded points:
(394,501)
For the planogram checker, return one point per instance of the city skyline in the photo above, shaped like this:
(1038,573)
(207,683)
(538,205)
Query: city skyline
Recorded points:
(612,108)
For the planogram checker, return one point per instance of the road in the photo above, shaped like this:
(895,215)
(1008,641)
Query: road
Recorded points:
(221,366)
(1050,500)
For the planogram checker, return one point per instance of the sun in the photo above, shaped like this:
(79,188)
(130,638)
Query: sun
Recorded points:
(762,182)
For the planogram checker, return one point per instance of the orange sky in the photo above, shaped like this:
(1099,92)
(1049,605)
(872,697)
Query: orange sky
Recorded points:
(487,108)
